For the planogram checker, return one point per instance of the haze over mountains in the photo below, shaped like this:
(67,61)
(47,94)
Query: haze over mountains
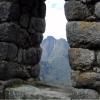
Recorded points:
(55,68)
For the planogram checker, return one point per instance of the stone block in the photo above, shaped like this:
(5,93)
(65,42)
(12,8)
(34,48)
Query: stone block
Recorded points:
(9,70)
(74,77)
(8,51)
(10,32)
(42,10)
(89,80)
(33,93)
(75,10)
(81,94)
(36,39)
(35,71)
(24,20)
(82,34)
(97,9)
(37,25)
(81,59)
(30,56)
(98,59)
(9,11)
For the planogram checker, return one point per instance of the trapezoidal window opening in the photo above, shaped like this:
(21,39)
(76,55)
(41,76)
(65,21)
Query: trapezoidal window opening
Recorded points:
(55,68)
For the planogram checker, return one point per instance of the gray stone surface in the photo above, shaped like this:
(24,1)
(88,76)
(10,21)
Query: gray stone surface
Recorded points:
(74,77)
(8,51)
(82,94)
(36,39)
(82,34)
(9,11)
(24,20)
(88,80)
(81,59)
(98,58)
(31,92)
(37,25)
(35,71)
(10,32)
(75,10)
(30,56)
(46,93)
(9,70)
(97,9)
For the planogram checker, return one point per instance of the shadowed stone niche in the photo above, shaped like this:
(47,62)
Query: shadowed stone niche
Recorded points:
(22,24)
(83,33)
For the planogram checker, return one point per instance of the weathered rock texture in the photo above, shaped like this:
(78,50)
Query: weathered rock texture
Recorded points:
(83,32)
(22,24)
(30,92)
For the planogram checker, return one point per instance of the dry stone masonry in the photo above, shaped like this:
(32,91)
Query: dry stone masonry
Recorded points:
(83,32)
(22,24)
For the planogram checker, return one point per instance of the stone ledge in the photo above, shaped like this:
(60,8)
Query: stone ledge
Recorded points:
(46,93)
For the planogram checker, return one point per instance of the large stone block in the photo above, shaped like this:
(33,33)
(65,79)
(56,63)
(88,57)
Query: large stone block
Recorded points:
(81,59)
(30,56)
(74,77)
(36,39)
(24,20)
(8,51)
(9,11)
(9,70)
(83,94)
(98,59)
(35,71)
(10,32)
(87,80)
(42,10)
(84,34)
(37,25)
(75,10)
(46,93)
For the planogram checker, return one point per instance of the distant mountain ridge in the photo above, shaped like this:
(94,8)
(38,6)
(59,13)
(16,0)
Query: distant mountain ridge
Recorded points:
(55,68)
(52,46)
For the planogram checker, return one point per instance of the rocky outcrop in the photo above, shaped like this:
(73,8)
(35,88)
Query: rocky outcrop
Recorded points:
(83,31)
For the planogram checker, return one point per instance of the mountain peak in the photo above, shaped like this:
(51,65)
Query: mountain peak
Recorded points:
(50,37)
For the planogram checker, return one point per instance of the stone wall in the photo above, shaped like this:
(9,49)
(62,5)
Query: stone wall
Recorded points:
(83,33)
(22,24)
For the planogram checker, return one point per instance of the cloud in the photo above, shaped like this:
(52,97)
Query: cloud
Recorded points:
(55,3)
(55,19)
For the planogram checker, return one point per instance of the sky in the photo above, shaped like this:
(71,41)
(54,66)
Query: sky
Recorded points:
(55,19)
